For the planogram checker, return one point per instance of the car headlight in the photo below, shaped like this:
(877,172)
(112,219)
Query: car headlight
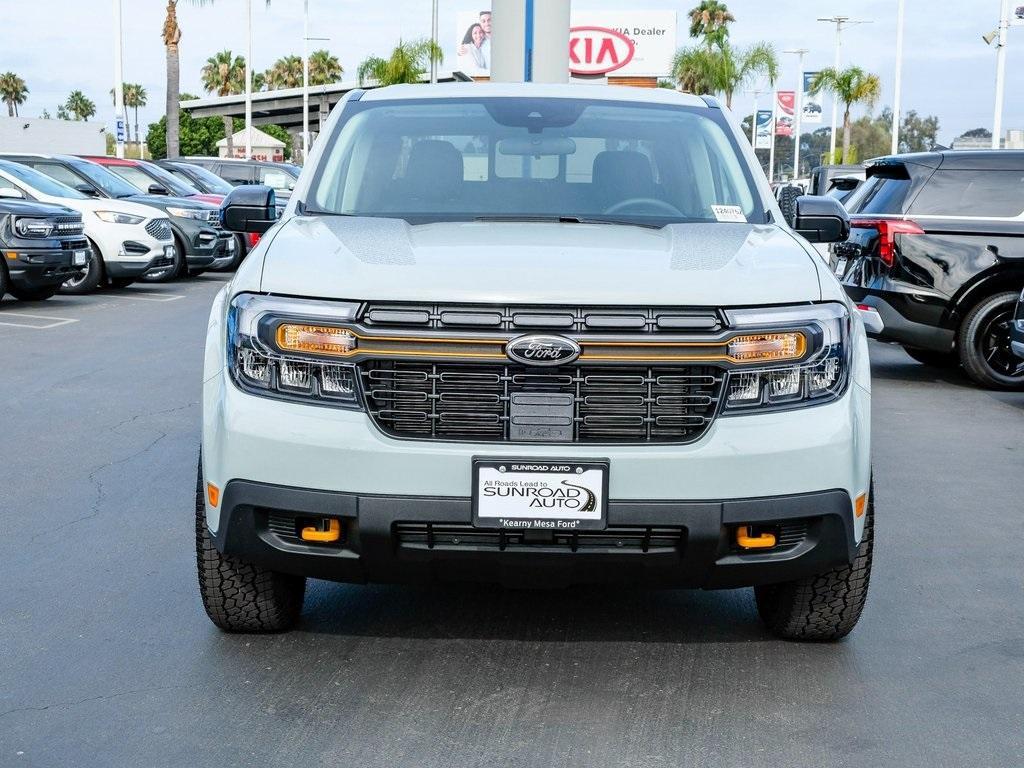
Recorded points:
(817,336)
(34,227)
(113,217)
(189,213)
(293,349)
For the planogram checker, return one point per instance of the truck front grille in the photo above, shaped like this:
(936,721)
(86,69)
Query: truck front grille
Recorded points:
(510,403)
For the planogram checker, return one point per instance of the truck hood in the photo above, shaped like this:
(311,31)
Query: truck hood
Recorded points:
(369,258)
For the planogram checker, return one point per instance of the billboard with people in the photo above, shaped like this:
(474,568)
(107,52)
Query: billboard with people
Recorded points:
(616,43)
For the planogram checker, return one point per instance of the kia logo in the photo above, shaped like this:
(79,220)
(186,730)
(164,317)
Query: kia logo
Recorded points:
(542,350)
(598,50)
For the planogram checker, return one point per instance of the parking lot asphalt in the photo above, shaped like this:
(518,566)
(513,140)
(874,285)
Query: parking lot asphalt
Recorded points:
(107,659)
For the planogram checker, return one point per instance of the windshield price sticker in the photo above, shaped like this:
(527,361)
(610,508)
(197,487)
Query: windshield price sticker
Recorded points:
(555,495)
(731,213)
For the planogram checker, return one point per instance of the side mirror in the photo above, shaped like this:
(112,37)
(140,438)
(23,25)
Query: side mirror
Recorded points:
(87,189)
(821,219)
(11,193)
(157,189)
(249,208)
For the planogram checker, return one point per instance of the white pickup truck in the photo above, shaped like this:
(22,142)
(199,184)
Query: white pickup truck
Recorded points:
(538,335)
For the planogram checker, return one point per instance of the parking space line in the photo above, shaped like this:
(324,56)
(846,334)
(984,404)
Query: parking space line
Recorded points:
(154,296)
(55,321)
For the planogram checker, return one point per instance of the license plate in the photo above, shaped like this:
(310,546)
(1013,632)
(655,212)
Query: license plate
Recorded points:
(560,495)
(79,258)
(840,267)
(169,251)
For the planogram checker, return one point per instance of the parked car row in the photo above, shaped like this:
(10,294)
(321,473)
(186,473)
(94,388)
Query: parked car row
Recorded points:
(77,224)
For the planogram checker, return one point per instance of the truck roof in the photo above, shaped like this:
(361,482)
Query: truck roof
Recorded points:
(538,90)
(961,159)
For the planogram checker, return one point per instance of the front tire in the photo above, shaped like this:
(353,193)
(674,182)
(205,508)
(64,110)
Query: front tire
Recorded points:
(984,343)
(91,279)
(240,596)
(826,606)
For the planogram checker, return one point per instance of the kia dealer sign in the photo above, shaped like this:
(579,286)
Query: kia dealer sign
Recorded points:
(598,50)
(623,43)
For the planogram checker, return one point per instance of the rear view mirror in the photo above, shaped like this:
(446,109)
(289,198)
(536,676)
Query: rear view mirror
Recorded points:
(249,208)
(821,219)
(11,193)
(537,145)
(157,189)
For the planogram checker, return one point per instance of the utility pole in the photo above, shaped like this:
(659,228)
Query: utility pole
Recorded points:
(305,80)
(119,116)
(433,39)
(840,22)
(771,150)
(997,119)
(753,121)
(248,84)
(798,108)
(897,82)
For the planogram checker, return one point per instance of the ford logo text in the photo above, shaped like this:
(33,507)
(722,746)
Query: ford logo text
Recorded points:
(542,350)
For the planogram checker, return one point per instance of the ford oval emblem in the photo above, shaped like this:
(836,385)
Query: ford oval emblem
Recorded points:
(542,350)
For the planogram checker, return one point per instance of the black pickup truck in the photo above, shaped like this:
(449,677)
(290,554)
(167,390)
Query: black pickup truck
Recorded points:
(936,246)
(42,245)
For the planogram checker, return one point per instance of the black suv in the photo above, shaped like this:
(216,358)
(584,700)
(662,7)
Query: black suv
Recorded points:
(42,246)
(937,247)
(280,177)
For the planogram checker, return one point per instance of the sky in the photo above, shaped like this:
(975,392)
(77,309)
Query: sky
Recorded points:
(60,45)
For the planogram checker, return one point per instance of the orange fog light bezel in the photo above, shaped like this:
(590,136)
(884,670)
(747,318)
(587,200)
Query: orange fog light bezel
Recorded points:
(767,347)
(316,339)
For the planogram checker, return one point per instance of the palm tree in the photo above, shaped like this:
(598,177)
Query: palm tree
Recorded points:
(134,95)
(850,86)
(171,34)
(286,73)
(407,64)
(224,75)
(80,105)
(13,91)
(324,68)
(724,69)
(710,20)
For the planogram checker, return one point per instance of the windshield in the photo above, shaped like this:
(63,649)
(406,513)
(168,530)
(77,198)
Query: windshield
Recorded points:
(465,159)
(111,185)
(211,181)
(40,182)
(143,178)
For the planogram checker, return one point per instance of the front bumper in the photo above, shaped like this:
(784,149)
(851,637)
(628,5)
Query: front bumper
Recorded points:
(41,267)
(202,243)
(415,539)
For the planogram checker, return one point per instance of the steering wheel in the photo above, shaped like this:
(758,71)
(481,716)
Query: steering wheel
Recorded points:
(649,202)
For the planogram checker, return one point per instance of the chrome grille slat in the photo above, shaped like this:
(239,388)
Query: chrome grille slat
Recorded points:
(473,402)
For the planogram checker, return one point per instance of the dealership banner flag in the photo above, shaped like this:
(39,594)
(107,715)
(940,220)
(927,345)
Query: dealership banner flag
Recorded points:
(785,103)
(763,131)
(812,104)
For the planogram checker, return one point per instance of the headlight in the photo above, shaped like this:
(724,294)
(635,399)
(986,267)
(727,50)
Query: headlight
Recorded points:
(822,332)
(189,213)
(33,227)
(113,217)
(289,349)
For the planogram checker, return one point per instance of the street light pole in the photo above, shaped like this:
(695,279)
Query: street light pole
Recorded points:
(433,39)
(897,83)
(305,80)
(840,22)
(248,84)
(997,119)
(798,108)
(119,116)
(753,122)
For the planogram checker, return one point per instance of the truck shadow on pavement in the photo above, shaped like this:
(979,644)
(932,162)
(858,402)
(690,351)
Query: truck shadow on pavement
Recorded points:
(472,611)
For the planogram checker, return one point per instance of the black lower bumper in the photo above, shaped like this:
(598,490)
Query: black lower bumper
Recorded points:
(130,269)
(910,320)
(40,268)
(415,539)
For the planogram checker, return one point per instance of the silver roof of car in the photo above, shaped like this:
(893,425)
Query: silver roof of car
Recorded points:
(618,93)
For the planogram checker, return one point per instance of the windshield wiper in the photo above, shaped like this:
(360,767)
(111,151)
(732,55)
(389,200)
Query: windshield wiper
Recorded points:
(568,220)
